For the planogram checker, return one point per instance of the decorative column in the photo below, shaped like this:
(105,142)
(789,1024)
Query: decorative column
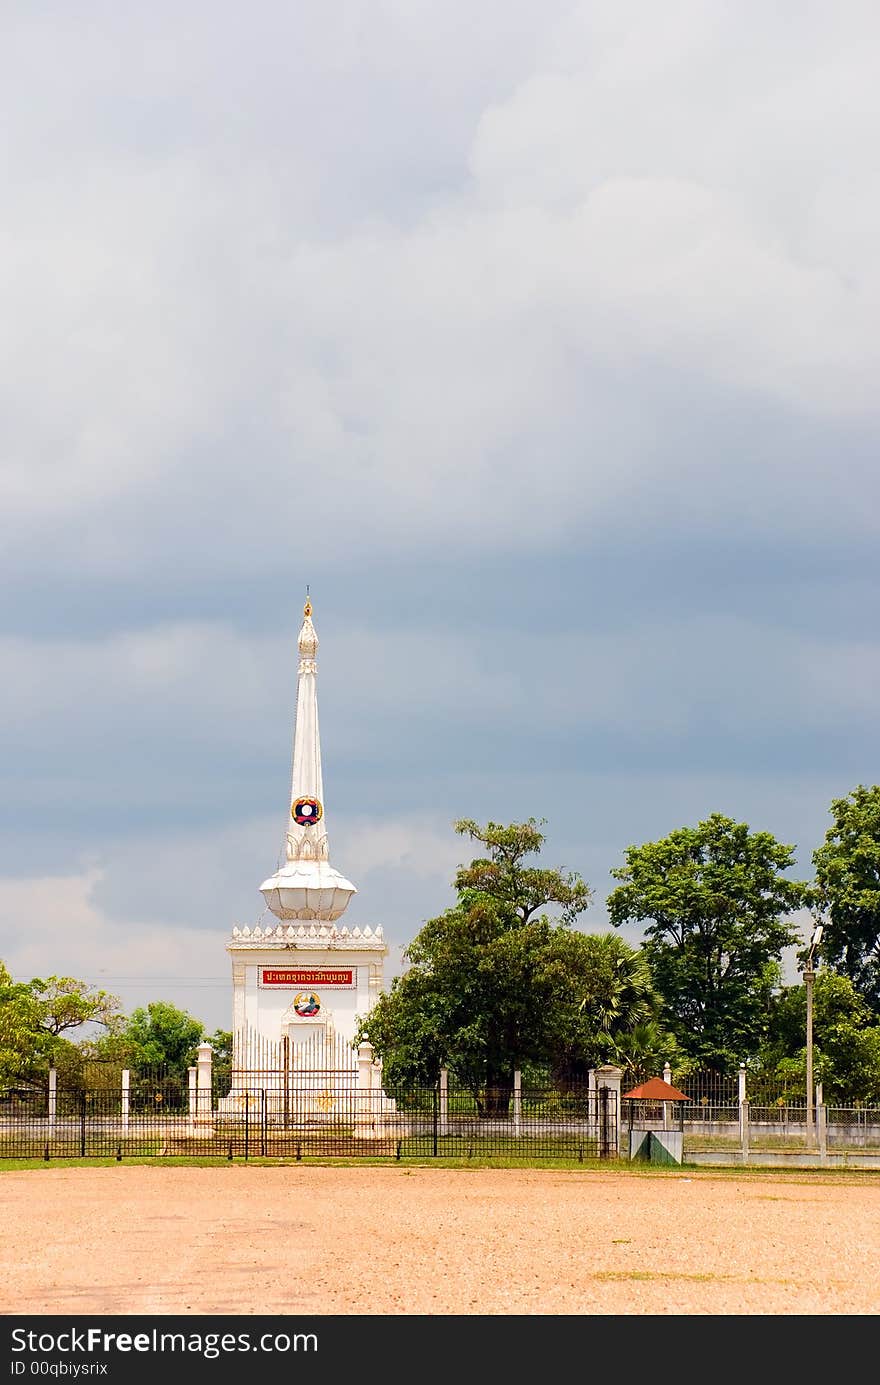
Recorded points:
(610,1077)
(364,1121)
(204,1114)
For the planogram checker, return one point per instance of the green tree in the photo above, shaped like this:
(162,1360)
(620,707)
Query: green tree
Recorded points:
(495,984)
(604,1000)
(518,889)
(37,1016)
(713,898)
(157,1035)
(643,1051)
(848,891)
(846,1040)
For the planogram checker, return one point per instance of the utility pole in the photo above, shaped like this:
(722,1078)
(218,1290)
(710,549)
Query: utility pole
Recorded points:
(808,984)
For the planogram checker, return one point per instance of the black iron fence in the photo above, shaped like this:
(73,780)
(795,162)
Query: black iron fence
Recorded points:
(325,1116)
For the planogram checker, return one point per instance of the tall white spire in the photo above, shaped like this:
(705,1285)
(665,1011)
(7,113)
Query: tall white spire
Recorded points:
(307,886)
(307,825)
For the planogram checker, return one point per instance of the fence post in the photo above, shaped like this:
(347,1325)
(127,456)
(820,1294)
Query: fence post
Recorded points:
(602,1120)
(444,1101)
(263,1121)
(608,1079)
(667,1078)
(126,1098)
(192,1075)
(517,1103)
(82,1125)
(744,1129)
(821,1124)
(364,1096)
(53,1099)
(741,1101)
(204,1090)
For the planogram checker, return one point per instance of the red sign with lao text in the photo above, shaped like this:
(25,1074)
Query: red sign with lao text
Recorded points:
(308,976)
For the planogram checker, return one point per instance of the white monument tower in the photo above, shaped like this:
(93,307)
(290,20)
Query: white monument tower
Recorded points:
(300,981)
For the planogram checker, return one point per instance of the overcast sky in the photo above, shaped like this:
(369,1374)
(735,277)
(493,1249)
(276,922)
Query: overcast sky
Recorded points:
(539,338)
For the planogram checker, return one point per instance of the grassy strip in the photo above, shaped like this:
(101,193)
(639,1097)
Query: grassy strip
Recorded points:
(688,1172)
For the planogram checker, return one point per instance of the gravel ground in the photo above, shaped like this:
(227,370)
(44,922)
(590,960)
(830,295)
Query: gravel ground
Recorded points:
(319,1240)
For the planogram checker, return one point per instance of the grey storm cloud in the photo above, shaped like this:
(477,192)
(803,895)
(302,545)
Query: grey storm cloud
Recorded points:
(539,339)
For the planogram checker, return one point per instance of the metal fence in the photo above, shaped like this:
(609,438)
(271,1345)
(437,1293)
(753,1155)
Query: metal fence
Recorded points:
(326,1117)
(754,1113)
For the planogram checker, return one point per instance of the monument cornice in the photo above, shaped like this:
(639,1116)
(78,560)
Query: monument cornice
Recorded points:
(307,937)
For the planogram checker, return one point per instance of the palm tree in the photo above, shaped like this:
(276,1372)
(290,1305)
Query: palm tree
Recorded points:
(643,1051)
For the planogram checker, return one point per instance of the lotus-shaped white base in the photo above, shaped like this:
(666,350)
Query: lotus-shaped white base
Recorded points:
(307,890)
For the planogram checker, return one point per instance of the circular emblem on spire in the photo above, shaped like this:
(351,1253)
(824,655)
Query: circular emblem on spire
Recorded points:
(306,1004)
(306,811)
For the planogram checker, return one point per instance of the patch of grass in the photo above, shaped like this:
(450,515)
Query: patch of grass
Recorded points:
(687,1173)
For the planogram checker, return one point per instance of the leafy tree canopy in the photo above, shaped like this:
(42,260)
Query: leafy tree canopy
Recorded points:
(848,890)
(36,1016)
(713,898)
(503,877)
(846,1040)
(156,1035)
(496,984)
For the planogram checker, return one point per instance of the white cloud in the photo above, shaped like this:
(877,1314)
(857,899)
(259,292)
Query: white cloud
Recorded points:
(414,846)
(52,926)
(196,358)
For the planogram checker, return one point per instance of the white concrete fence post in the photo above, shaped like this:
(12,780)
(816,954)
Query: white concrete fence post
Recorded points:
(821,1124)
(364,1121)
(744,1130)
(610,1077)
(517,1103)
(204,1113)
(53,1099)
(742,1102)
(444,1102)
(667,1078)
(126,1099)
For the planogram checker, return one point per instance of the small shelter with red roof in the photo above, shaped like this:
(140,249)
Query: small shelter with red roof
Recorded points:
(652,1117)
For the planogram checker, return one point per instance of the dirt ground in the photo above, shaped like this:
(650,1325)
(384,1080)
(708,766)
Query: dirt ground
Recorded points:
(322,1240)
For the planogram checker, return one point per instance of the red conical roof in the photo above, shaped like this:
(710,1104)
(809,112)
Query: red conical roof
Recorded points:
(655,1089)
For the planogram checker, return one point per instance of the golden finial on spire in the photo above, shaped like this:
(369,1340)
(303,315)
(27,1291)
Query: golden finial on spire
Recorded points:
(307,609)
